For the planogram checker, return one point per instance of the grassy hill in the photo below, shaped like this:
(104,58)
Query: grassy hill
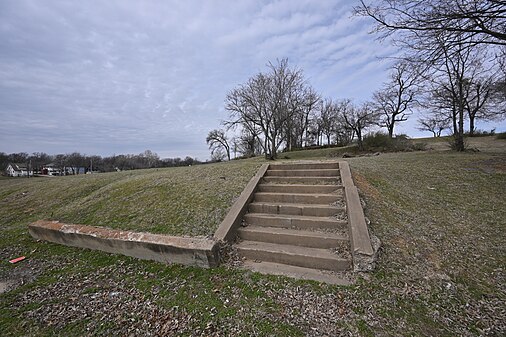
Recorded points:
(180,201)
(440,215)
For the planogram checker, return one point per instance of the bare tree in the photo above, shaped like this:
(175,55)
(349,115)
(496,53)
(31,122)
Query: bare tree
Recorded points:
(395,100)
(462,21)
(481,102)
(269,102)
(296,128)
(328,118)
(357,119)
(463,89)
(433,123)
(218,155)
(217,140)
(248,143)
(76,161)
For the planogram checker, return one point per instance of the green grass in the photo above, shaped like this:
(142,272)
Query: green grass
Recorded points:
(178,201)
(440,216)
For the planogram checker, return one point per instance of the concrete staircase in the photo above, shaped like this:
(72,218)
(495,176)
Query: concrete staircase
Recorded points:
(296,224)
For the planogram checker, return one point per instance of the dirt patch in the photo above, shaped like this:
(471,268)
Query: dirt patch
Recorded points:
(4,285)
(13,276)
(492,165)
(365,187)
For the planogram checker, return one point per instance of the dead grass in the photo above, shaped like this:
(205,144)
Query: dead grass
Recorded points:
(440,215)
(178,201)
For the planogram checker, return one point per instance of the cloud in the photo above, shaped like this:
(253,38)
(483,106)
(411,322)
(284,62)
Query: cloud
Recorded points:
(125,76)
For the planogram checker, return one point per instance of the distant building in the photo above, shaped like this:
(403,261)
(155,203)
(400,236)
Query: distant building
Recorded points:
(18,170)
(51,170)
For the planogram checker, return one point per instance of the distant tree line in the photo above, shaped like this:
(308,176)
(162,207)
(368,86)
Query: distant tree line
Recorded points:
(76,161)
(453,73)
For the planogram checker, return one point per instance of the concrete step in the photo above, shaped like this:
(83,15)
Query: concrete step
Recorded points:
(295,209)
(298,198)
(298,188)
(324,276)
(291,236)
(291,221)
(303,173)
(293,255)
(305,166)
(301,180)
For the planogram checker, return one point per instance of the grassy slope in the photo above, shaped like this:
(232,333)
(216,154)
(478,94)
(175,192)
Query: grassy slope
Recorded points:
(179,201)
(441,217)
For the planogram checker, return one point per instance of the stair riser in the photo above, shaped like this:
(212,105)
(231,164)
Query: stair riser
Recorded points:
(302,180)
(295,210)
(294,223)
(299,189)
(296,260)
(315,166)
(297,199)
(289,239)
(303,173)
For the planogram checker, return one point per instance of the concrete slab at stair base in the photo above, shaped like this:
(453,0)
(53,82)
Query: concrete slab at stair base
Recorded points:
(198,252)
(300,273)
(293,255)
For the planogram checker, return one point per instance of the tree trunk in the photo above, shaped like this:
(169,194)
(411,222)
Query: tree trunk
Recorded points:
(471,125)
(273,150)
(459,136)
(359,139)
(391,130)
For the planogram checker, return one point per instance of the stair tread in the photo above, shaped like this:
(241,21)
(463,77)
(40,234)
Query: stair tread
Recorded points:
(287,216)
(303,185)
(302,180)
(289,231)
(301,177)
(324,276)
(302,169)
(301,194)
(273,203)
(274,248)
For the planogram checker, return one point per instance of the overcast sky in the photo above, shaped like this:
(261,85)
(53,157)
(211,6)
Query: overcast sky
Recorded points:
(112,77)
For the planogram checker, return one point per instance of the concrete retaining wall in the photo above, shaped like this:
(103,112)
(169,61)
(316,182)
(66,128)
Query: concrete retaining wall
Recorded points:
(199,252)
(359,234)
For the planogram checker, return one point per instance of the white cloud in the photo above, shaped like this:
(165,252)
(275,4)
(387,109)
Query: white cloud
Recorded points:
(123,76)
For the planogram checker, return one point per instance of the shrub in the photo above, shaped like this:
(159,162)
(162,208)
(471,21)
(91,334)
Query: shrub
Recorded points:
(380,141)
(452,142)
(420,146)
(481,133)
(377,140)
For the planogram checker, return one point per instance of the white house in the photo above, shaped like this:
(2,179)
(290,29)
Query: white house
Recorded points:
(18,170)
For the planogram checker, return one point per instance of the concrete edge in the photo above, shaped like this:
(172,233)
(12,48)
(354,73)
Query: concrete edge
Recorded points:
(232,221)
(200,252)
(359,234)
